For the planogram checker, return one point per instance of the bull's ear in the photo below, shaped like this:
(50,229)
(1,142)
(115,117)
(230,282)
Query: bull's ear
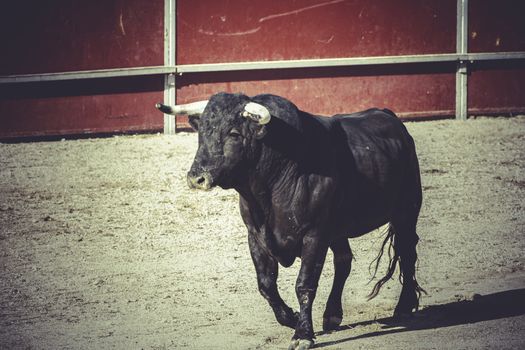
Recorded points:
(261,132)
(194,122)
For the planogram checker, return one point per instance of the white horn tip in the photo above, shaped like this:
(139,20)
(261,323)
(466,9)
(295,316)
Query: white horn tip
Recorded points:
(262,113)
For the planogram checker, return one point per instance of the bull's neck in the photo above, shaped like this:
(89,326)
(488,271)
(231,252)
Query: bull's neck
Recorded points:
(276,168)
(274,173)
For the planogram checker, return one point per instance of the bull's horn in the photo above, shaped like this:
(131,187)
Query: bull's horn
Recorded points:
(194,108)
(257,113)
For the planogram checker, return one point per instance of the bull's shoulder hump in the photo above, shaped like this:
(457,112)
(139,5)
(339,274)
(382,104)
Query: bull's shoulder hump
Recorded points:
(370,117)
(372,122)
(367,114)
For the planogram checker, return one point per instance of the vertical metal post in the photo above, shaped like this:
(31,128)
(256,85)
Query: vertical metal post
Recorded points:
(170,7)
(462,66)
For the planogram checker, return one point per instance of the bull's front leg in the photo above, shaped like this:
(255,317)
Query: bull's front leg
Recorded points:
(313,255)
(267,271)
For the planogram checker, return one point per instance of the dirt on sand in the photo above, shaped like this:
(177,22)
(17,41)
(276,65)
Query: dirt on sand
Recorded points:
(103,246)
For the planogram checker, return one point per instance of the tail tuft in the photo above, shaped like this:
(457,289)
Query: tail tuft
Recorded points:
(393,257)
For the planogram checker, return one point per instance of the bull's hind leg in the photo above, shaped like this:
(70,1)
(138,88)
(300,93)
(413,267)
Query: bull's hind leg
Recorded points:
(402,237)
(405,242)
(333,314)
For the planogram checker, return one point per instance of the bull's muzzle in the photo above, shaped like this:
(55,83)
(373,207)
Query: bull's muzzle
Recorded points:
(201,181)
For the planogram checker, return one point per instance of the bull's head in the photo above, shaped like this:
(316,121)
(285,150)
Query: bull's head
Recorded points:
(229,127)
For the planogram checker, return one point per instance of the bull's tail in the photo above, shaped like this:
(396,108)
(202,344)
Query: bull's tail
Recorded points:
(393,259)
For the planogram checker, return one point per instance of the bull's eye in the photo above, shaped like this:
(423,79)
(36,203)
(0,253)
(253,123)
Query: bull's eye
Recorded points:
(235,133)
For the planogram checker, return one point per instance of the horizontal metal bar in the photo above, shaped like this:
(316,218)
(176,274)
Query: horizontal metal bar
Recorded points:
(342,62)
(261,65)
(87,74)
(314,63)
(493,56)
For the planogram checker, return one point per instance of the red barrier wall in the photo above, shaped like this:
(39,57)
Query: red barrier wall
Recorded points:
(495,88)
(81,107)
(262,30)
(497,26)
(63,35)
(237,30)
(415,90)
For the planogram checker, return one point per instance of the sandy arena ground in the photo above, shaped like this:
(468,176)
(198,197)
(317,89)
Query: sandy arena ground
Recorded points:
(102,246)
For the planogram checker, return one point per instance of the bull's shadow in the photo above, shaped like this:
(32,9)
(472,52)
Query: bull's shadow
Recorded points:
(482,308)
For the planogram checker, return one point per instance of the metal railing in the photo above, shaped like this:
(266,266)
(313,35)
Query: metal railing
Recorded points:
(170,70)
(262,65)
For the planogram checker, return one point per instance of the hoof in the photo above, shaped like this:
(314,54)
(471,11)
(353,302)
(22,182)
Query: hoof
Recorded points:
(301,344)
(331,323)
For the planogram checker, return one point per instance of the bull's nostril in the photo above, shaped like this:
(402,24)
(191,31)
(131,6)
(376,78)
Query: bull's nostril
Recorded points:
(200,181)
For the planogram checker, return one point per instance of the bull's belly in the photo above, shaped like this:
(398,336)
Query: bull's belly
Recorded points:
(284,237)
(363,228)
(351,223)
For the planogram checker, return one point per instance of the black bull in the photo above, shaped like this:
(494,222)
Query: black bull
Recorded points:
(306,184)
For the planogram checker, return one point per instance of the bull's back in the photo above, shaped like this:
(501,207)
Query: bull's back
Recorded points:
(376,153)
(373,135)
(379,123)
